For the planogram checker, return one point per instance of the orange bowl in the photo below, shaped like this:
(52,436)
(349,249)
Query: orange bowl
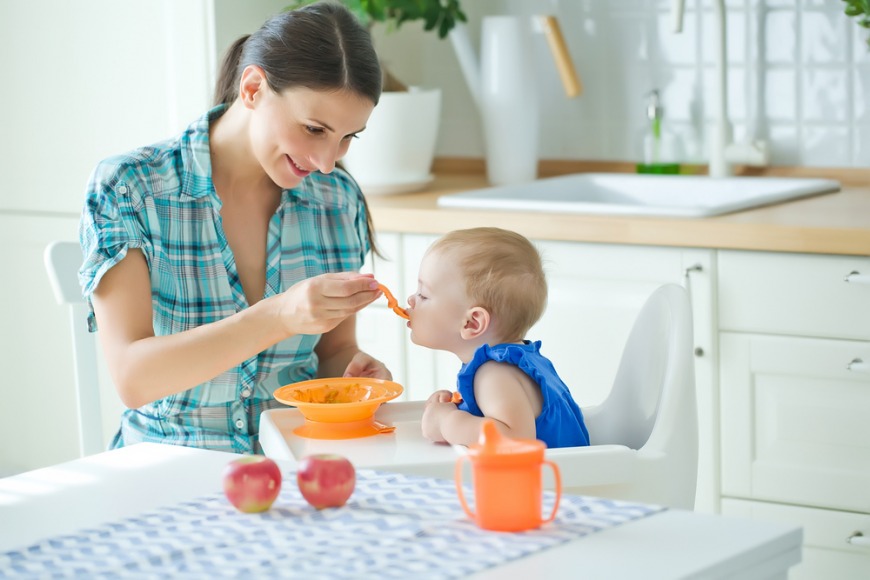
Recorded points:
(338,400)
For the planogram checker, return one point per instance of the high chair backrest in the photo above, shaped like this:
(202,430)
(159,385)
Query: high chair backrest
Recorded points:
(63,260)
(644,435)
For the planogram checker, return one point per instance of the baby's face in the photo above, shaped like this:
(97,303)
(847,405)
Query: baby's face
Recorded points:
(438,309)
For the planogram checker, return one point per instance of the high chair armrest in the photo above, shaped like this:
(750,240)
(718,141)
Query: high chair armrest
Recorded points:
(594,465)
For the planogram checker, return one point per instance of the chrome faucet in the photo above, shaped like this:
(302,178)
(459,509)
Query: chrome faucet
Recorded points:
(723,151)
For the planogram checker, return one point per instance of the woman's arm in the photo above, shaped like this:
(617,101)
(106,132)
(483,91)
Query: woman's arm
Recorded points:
(145,367)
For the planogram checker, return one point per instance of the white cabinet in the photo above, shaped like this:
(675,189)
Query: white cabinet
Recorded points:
(795,400)
(380,332)
(595,294)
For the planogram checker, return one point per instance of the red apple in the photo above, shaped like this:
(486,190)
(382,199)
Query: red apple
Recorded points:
(252,483)
(326,480)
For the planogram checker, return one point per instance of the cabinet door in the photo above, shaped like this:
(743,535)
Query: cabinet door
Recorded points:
(826,553)
(795,294)
(794,421)
(595,294)
(380,332)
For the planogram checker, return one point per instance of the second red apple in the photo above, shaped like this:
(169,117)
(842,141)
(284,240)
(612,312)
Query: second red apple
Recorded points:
(326,480)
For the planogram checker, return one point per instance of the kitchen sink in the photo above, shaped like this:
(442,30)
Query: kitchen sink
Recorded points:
(633,194)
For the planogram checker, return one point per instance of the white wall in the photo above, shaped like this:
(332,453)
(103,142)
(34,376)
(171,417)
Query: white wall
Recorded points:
(82,79)
(812,101)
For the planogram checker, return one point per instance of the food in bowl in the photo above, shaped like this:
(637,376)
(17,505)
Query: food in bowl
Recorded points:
(350,393)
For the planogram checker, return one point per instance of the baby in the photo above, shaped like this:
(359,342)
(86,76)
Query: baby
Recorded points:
(479,291)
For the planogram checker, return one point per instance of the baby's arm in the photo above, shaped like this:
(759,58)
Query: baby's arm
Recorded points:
(499,392)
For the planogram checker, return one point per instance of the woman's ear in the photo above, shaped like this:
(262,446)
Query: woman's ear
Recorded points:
(252,83)
(477,321)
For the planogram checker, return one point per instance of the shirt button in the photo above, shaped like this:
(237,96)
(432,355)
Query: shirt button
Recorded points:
(240,424)
(246,393)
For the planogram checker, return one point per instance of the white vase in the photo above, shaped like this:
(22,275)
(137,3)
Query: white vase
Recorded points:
(394,154)
(508,100)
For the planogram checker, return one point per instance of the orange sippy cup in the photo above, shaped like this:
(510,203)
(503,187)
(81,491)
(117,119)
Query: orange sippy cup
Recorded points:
(507,481)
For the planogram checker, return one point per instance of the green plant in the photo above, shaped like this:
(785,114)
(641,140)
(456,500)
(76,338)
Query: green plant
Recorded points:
(859,9)
(437,15)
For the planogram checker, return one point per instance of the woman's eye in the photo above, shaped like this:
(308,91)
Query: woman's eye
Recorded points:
(351,136)
(314,130)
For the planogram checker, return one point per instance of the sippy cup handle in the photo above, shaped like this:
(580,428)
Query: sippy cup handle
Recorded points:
(558,478)
(457,477)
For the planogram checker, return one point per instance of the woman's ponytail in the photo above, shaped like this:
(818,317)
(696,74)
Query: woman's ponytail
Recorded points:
(226,88)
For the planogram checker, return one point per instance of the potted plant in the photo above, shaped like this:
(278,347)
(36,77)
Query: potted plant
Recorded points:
(395,152)
(859,9)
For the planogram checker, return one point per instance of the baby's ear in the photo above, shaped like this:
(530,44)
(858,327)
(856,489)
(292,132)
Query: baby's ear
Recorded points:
(477,321)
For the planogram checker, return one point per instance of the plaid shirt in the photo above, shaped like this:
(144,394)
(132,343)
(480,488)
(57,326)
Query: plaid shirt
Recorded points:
(161,200)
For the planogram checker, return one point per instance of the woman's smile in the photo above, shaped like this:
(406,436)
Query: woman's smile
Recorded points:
(298,171)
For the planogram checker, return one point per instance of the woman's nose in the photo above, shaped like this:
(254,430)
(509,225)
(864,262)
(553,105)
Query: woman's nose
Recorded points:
(325,157)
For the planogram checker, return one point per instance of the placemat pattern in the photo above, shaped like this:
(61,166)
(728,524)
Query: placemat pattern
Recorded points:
(394,526)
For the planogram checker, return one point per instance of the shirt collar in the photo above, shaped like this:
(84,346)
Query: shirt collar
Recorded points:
(196,155)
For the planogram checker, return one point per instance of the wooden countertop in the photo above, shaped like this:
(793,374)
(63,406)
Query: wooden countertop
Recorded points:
(835,223)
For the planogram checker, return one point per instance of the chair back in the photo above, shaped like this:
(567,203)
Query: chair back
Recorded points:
(62,261)
(652,405)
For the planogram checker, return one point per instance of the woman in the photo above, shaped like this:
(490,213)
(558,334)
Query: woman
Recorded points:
(223,263)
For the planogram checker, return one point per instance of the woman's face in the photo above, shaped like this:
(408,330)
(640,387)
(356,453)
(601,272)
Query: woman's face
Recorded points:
(302,130)
(438,309)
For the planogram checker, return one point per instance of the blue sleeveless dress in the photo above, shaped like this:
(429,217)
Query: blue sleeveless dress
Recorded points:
(560,423)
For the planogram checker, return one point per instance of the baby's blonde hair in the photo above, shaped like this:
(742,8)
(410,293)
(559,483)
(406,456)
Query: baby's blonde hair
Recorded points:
(503,274)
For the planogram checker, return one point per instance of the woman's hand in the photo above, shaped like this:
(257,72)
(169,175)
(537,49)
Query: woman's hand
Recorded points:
(319,304)
(364,365)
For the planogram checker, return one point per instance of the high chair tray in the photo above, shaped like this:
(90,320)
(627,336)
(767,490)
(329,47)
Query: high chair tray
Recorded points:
(404,450)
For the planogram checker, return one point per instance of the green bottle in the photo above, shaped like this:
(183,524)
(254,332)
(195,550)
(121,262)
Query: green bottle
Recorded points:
(659,146)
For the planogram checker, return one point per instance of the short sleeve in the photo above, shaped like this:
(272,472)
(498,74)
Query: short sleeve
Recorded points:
(109,225)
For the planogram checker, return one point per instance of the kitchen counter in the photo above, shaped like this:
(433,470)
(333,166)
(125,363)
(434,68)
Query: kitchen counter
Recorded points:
(835,223)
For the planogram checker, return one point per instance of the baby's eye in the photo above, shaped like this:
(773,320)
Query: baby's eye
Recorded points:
(420,296)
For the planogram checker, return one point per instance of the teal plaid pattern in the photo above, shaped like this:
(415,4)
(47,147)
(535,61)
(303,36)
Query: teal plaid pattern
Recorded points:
(161,200)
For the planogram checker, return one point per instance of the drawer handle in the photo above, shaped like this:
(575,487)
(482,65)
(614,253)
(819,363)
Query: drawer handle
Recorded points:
(856,277)
(858,539)
(858,365)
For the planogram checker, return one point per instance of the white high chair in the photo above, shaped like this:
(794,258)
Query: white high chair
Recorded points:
(644,436)
(63,260)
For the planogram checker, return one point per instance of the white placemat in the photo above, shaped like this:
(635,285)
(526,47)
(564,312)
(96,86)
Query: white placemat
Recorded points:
(394,526)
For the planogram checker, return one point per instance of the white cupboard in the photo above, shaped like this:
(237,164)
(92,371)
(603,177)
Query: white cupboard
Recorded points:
(795,399)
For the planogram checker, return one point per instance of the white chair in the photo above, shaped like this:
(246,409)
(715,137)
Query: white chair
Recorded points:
(63,260)
(644,436)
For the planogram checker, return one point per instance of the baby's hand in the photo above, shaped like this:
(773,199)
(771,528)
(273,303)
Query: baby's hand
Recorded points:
(440,396)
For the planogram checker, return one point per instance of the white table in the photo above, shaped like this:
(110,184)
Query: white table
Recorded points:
(126,482)
(404,450)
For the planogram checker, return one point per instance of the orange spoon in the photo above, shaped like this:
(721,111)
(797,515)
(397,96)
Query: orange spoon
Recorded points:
(393,303)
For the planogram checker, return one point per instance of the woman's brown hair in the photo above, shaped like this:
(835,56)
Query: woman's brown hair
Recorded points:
(321,46)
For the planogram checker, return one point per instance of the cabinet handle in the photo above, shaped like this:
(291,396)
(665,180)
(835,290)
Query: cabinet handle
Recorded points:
(858,539)
(858,365)
(856,277)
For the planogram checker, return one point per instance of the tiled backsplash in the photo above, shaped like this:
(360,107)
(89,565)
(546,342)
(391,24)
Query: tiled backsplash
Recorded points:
(798,74)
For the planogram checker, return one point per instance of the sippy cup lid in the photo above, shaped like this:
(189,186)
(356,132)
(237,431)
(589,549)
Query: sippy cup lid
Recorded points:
(496,449)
